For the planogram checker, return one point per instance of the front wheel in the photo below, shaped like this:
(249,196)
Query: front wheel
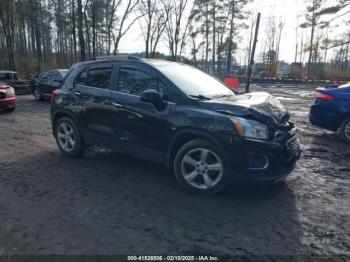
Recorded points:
(201,167)
(345,130)
(68,138)
(10,109)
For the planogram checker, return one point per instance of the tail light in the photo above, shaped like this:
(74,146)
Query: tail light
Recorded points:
(323,96)
(53,95)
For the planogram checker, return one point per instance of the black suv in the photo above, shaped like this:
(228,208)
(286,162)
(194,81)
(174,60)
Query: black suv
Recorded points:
(175,115)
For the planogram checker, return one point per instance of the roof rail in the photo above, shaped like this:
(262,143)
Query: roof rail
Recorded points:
(118,56)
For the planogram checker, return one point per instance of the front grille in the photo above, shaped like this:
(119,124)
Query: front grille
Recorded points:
(293,146)
(281,133)
(2,95)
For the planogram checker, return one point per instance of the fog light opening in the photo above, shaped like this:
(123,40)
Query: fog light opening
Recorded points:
(257,162)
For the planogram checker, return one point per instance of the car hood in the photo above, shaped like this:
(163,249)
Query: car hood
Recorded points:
(258,105)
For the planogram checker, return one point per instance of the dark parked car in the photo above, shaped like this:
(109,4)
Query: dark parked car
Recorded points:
(175,115)
(331,110)
(12,79)
(7,98)
(43,84)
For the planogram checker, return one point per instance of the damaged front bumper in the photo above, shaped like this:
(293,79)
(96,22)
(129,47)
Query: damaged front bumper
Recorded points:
(265,160)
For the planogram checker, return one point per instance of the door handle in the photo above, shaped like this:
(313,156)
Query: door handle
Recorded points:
(77,93)
(117,105)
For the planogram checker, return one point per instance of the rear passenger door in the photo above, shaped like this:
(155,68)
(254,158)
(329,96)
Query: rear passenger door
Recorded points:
(92,90)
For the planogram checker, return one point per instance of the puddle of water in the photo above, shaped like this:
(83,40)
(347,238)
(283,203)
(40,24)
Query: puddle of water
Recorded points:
(306,93)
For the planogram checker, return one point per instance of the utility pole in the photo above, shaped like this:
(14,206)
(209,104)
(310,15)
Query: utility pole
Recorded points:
(251,62)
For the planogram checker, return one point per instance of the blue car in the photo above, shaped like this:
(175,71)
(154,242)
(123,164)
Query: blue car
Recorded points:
(331,110)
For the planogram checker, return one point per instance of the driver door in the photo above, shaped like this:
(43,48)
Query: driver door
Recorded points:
(141,124)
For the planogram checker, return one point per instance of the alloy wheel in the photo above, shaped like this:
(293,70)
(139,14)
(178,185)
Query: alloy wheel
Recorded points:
(202,168)
(66,137)
(347,130)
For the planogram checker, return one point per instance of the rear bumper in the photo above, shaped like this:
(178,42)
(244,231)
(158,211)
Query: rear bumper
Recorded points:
(8,102)
(324,117)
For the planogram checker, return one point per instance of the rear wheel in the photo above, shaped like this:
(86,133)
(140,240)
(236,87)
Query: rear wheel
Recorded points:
(201,167)
(345,130)
(68,138)
(37,94)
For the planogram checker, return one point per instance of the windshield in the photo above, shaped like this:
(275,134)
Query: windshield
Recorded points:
(194,82)
(63,72)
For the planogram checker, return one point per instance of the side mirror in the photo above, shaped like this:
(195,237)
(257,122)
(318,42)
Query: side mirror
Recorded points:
(153,96)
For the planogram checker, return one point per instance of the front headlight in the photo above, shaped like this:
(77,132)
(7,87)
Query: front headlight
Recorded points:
(250,128)
(10,92)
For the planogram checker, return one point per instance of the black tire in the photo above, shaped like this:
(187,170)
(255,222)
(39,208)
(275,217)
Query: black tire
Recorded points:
(10,109)
(37,94)
(344,130)
(216,152)
(79,145)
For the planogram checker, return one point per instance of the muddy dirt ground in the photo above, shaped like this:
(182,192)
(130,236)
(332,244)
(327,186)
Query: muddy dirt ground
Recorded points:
(108,203)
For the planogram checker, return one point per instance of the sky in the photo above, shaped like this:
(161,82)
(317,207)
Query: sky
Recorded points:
(285,10)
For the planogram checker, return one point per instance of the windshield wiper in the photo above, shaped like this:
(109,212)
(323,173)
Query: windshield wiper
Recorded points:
(222,96)
(200,97)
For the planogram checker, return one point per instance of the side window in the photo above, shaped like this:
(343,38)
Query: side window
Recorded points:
(58,77)
(82,77)
(134,81)
(52,76)
(96,77)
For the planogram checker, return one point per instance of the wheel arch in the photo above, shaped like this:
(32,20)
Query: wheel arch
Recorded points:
(183,137)
(60,114)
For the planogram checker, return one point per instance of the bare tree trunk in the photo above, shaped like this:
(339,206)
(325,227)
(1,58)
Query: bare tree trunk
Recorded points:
(206,38)
(93,18)
(281,25)
(80,31)
(38,35)
(230,43)
(88,38)
(149,26)
(74,32)
(313,27)
(6,14)
(214,37)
